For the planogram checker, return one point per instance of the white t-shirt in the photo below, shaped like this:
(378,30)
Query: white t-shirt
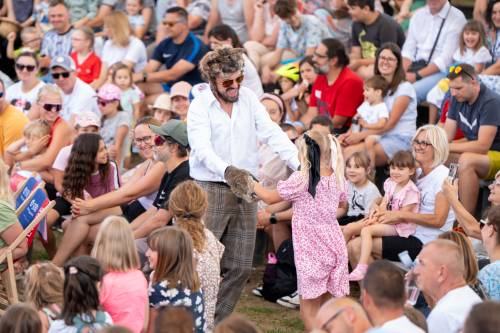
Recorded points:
(135,52)
(429,187)
(360,199)
(451,310)
(252,78)
(407,123)
(82,98)
(373,113)
(20,99)
(401,324)
(471,57)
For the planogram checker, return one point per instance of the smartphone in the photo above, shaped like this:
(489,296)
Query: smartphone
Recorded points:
(406,260)
(453,171)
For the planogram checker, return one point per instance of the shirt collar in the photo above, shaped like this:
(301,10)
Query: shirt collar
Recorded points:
(443,12)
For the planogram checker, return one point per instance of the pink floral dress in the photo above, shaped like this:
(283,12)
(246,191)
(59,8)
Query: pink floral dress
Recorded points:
(406,196)
(319,246)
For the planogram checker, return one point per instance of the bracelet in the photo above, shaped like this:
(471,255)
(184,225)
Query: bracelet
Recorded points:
(144,76)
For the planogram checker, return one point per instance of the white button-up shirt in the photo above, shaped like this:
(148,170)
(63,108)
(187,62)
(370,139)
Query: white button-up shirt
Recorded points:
(423,31)
(217,140)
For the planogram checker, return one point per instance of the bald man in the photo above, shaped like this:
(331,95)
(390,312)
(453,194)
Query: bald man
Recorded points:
(440,275)
(342,315)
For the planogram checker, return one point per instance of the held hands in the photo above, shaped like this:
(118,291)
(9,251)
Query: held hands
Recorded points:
(80,207)
(241,183)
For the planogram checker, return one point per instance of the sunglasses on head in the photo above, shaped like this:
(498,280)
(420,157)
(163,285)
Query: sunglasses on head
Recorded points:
(458,69)
(229,83)
(29,68)
(56,76)
(52,107)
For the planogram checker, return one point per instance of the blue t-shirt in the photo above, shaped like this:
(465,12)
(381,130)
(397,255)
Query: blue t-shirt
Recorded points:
(470,117)
(490,278)
(191,50)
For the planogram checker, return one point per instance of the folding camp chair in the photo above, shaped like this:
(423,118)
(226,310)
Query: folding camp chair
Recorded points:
(25,189)
(31,214)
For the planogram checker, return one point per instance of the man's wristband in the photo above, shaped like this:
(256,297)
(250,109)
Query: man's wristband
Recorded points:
(273,219)
(144,76)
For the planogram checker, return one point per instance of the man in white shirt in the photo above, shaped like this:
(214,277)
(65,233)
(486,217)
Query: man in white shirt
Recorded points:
(383,297)
(77,95)
(224,124)
(422,33)
(440,275)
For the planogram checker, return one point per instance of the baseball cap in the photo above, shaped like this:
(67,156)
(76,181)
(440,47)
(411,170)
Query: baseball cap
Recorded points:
(109,92)
(162,102)
(175,129)
(64,62)
(181,88)
(86,119)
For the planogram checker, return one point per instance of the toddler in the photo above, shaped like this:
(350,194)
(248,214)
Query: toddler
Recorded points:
(133,9)
(131,99)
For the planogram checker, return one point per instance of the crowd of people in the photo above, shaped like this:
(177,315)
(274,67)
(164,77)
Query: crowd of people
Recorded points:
(356,138)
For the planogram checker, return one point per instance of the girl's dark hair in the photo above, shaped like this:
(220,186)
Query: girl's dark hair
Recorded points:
(403,159)
(489,13)
(81,296)
(399,75)
(81,165)
(29,54)
(473,25)
(224,32)
(20,318)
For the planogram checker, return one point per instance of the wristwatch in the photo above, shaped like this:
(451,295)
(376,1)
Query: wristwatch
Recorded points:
(144,76)
(418,76)
(273,219)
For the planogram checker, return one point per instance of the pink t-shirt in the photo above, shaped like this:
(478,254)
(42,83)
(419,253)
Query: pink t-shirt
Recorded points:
(408,195)
(124,295)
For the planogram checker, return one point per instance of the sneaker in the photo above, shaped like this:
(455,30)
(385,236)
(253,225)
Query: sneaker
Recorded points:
(291,301)
(257,291)
(358,273)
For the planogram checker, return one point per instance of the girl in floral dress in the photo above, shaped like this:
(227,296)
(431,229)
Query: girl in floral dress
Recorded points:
(319,246)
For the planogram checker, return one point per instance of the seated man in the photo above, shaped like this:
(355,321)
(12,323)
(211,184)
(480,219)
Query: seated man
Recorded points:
(337,92)
(432,39)
(440,276)
(299,35)
(474,110)
(57,41)
(342,315)
(180,53)
(383,297)
(370,30)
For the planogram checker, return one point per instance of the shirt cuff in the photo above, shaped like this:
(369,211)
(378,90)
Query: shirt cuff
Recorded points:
(441,64)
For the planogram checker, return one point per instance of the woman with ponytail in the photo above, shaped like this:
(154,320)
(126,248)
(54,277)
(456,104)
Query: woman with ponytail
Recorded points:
(80,312)
(188,204)
(319,247)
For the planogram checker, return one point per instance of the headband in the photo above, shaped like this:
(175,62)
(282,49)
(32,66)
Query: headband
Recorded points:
(274,98)
(313,154)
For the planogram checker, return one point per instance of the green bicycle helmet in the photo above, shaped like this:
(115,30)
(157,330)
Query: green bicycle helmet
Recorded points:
(290,71)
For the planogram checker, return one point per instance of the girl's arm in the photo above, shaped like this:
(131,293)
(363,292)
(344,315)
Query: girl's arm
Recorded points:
(11,38)
(137,110)
(153,313)
(13,152)
(121,133)
(213,19)
(139,31)
(257,31)
(342,210)
(493,69)
(377,126)
(268,196)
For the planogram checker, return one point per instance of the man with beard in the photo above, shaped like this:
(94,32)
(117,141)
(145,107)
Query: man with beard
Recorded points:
(171,148)
(224,124)
(337,91)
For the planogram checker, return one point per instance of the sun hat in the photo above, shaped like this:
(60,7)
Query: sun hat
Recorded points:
(109,92)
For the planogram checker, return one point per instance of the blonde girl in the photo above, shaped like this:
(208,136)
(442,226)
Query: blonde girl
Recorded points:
(123,292)
(319,247)
(174,280)
(88,64)
(44,284)
(188,204)
(131,98)
(361,192)
(401,194)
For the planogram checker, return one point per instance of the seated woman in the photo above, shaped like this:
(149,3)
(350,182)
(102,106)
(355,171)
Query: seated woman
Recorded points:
(89,174)
(491,75)
(401,101)
(10,227)
(430,148)
(131,200)
(48,106)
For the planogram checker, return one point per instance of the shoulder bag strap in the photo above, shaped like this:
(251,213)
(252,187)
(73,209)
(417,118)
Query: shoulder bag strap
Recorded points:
(439,34)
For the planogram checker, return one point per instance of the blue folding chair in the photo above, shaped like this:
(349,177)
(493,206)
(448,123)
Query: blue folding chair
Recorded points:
(24,190)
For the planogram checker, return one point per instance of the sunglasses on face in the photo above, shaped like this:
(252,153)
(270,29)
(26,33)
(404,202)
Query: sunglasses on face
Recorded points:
(29,68)
(229,83)
(332,318)
(170,24)
(64,75)
(52,107)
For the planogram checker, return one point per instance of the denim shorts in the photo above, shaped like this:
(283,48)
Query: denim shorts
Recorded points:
(392,143)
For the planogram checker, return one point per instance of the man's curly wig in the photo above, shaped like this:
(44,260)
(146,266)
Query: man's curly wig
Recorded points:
(225,61)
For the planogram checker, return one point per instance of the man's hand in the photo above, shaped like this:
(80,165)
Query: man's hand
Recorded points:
(411,77)
(241,183)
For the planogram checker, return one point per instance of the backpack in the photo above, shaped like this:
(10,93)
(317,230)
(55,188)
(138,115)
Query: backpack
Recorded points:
(280,279)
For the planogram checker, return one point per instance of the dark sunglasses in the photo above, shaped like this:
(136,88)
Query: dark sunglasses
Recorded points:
(332,318)
(56,76)
(104,102)
(29,68)
(229,83)
(52,107)
(159,140)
